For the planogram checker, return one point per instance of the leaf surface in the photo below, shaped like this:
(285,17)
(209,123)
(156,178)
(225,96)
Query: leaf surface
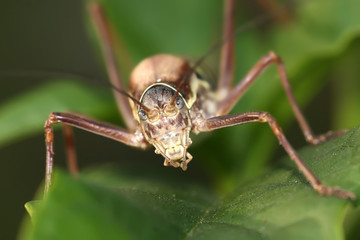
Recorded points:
(280,204)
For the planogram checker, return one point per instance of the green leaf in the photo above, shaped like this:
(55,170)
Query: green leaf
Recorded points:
(26,114)
(139,204)
(31,207)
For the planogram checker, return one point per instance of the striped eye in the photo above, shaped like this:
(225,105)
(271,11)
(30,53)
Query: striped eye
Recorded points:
(179,102)
(142,114)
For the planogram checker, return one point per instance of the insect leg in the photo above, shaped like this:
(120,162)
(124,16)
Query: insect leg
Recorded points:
(226,105)
(69,119)
(227,53)
(102,28)
(70,150)
(237,119)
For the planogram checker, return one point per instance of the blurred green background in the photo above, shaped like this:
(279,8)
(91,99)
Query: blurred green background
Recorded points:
(320,51)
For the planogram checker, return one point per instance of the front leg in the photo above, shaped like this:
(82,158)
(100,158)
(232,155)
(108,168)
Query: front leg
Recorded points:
(131,139)
(237,119)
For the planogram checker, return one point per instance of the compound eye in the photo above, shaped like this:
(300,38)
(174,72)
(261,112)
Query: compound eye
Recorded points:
(179,102)
(142,114)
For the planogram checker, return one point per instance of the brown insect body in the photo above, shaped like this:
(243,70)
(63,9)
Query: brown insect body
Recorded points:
(167,123)
(167,100)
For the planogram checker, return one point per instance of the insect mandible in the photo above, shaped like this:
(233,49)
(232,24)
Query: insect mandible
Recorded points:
(167,100)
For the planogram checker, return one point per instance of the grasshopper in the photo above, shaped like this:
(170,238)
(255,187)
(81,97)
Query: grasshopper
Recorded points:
(167,99)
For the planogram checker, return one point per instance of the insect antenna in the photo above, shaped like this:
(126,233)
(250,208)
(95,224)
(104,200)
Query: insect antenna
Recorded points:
(121,91)
(257,21)
(79,76)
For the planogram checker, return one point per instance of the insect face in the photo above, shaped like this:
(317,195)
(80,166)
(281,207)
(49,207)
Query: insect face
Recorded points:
(167,123)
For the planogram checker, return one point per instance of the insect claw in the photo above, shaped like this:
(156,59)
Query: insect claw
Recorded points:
(183,166)
(175,164)
(166,162)
(328,191)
